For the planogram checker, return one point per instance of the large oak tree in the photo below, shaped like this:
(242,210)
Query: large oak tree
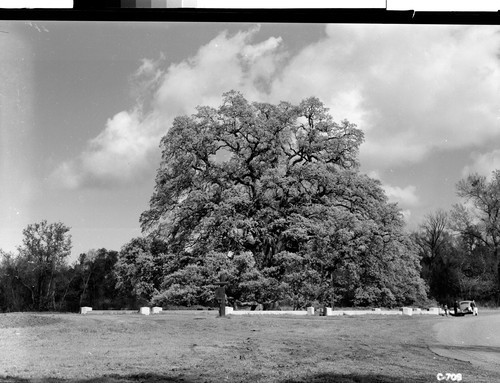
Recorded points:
(282,183)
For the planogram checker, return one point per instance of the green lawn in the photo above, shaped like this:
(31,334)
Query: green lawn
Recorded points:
(199,347)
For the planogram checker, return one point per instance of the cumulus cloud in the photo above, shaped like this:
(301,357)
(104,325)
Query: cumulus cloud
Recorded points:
(411,89)
(406,196)
(225,63)
(116,155)
(129,142)
(145,81)
(483,163)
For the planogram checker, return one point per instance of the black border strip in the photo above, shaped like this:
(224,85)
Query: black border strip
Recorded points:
(377,16)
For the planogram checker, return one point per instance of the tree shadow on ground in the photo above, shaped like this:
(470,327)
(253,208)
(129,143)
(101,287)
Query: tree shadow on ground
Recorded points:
(135,378)
(476,348)
(157,378)
(356,378)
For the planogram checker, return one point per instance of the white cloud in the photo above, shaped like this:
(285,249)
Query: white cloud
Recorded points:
(411,89)
(406,196)
(484,163)
(116,155)
(130,139)
(225,63)
(415,87)
(406,215)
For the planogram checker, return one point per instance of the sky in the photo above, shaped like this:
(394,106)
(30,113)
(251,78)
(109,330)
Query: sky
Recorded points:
(83,106)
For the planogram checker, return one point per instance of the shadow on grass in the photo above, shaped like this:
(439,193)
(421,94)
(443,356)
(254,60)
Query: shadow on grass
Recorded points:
(475,348)
(156,378)
(136,378)
(355,378)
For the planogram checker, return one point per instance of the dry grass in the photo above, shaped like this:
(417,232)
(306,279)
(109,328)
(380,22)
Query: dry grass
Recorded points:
(199,347)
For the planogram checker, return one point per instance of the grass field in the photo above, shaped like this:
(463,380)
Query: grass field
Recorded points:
(199,347)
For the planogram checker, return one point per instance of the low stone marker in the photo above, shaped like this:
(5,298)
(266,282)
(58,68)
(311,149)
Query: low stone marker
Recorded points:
(417,311)
(328,311)
(229,310)
(157,310)
(407,311)
(377,311)
(310,311)
(145,310)
(85,310)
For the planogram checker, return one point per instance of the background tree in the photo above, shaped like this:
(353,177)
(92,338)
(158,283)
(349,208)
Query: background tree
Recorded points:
(13,294)
(139,269)
(439,256)
(433,234)
(282,183)
(94,282)
(478,217)
(42,258)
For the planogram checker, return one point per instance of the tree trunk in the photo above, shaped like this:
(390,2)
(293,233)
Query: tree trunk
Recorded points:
(33,300)
(332,297)
(49,297)
(39,293)
(498,278)
(65,293)
(85,285)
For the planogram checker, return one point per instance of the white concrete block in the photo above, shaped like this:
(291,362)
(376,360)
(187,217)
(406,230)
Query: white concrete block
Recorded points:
(407,311)
(417,311)
(85,310)
(392,312)
(273,312)
(157,310)
(310,311)
(328,311)
(356,312)
(336,313)
(145,311)
(434,310)
(229,310)
(377,310)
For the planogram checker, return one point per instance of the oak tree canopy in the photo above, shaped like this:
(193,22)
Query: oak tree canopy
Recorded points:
(279,187)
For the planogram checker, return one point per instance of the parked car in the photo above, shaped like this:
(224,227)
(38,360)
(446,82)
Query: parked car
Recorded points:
(465,308)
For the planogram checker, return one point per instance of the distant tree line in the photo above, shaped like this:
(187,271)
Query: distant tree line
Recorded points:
(272,197)
(38,277)
(459,249)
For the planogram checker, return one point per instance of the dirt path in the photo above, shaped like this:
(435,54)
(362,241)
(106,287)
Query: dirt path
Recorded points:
(472,339)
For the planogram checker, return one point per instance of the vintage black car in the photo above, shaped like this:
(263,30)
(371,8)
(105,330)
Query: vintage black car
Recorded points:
(465,308)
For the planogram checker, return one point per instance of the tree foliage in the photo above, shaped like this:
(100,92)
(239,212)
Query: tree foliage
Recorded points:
(459,249)
(94,282)
(14,296)
(42,259)
(139,268)
(478,218)
(38,277)
(282,183)
(195,282)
